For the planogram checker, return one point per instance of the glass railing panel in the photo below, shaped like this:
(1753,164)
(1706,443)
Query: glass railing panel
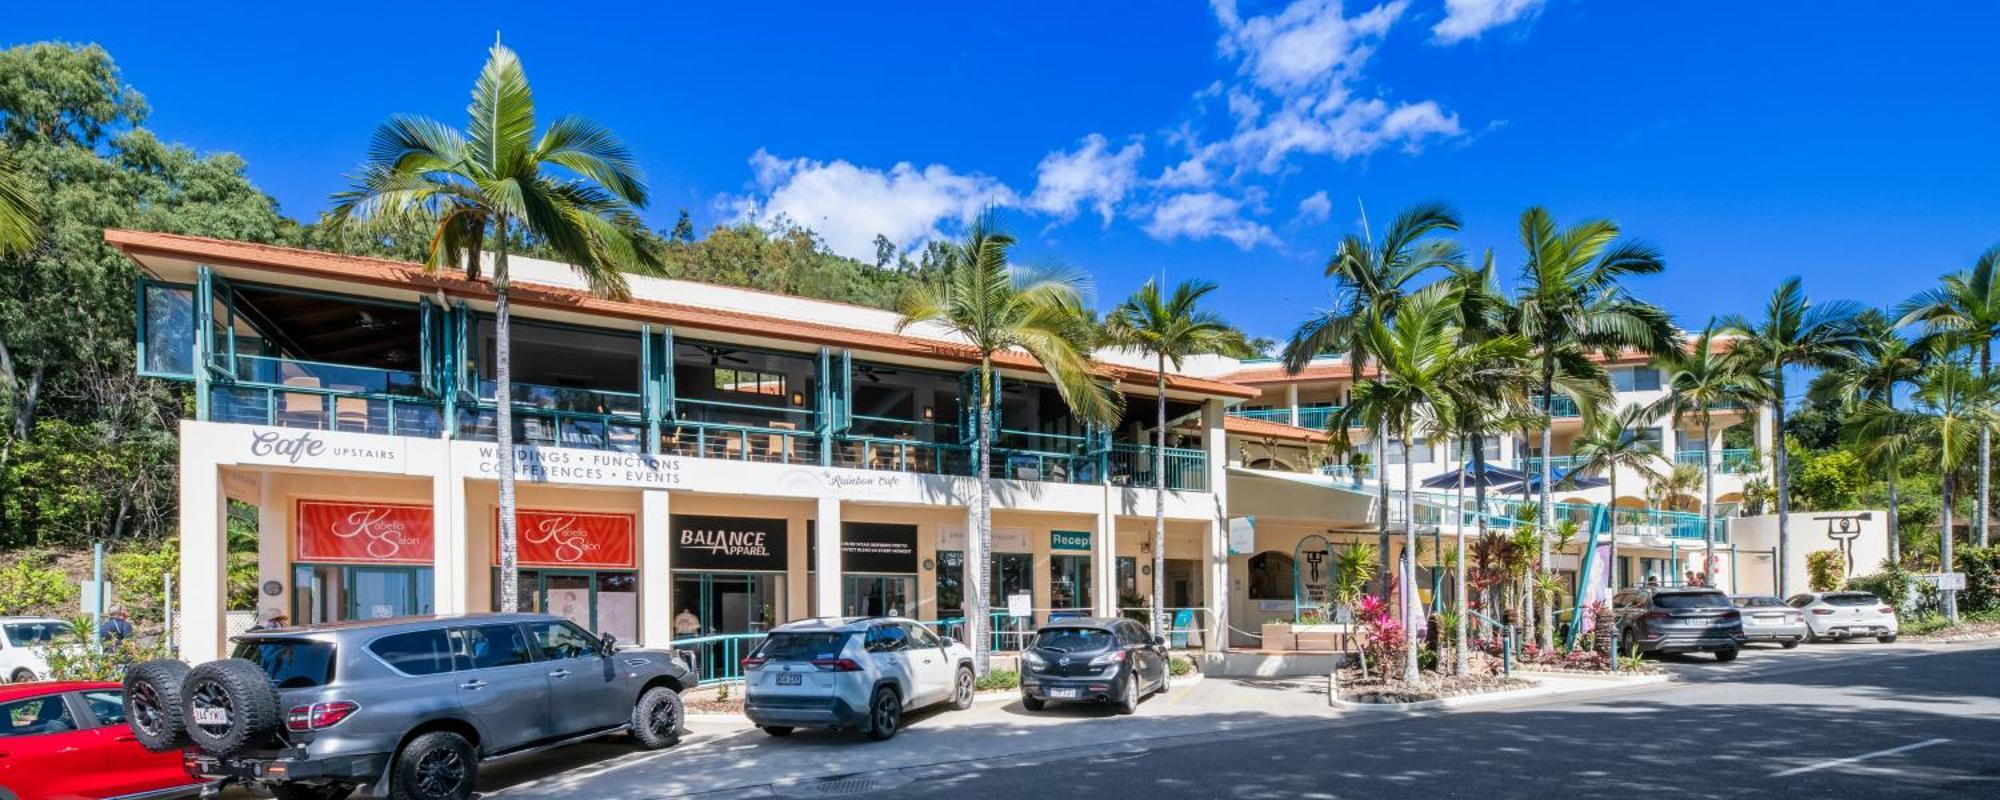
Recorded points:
(297,407)
(740,442)
(319,375)
(563,398)
(538,428)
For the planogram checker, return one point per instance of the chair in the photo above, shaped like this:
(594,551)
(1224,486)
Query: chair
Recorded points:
(350,413)
(775,443)
(303,408)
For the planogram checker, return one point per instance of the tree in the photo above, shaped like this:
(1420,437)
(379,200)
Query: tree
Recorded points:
(1571,303)
(1953,405)
(984,300)
(885,251)
(1967,308)
(20,215)
(1794,332)
(683,230)
(1170,330)
(1612,442)
(1700,378)
(576,189)
(1884,362)
(1371,277)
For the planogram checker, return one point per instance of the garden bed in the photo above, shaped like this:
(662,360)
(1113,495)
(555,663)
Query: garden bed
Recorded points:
(1964,631)
(1377,690)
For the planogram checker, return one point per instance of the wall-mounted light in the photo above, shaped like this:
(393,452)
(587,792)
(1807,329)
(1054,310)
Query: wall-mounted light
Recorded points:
(798,398)
(929,413)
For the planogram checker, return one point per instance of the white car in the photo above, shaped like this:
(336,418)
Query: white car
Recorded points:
(1845,615)
(852,674)
(22,640)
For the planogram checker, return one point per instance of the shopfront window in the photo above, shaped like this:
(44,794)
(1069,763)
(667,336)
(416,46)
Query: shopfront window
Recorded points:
(1069,584)
(708,604)
(1128,577)
(877,595)
(337,592)
(950,584)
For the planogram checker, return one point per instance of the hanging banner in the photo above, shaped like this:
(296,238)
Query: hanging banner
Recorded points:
(570,539)
(363,533)
(702,542)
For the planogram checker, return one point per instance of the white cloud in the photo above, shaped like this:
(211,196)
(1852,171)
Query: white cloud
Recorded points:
(1467,19)
(848,205)
(1207,215)
(1092,173)
(1315,209)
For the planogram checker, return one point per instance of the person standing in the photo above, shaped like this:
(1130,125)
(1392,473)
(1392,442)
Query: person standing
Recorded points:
(271,618)
(116,627)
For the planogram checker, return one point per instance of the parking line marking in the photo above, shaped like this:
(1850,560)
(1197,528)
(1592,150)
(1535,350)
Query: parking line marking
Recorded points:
(1863,757)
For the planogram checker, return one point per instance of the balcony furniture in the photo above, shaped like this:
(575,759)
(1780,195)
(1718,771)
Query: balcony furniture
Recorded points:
(535,431)
(304,408)
(774,448)
(350,413)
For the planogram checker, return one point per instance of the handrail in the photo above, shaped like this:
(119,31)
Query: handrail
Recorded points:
(715,658)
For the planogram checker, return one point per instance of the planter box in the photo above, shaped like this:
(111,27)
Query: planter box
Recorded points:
(1311,638)
(1278,636)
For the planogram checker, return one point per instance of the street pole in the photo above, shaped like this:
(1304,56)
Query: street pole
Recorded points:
(97,585)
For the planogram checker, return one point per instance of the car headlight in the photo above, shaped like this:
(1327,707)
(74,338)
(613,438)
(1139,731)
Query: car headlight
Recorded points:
(1028,657)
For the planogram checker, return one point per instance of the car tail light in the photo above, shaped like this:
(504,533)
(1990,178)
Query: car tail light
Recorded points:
(1824,612)
(1885,609)
(1655,615)
(319,716)
(1732,614)
(1107,659)
(753,662)
(837,664)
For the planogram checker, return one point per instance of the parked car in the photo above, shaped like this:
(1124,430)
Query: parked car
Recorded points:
(1846,615)
(1768,619)
(1093,660)
(69,740)
(407,707)
(852,674)
(1656,620)
(23,643)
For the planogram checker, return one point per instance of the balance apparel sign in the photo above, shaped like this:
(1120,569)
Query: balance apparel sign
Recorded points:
(570,539)
(727,544)
(332,532)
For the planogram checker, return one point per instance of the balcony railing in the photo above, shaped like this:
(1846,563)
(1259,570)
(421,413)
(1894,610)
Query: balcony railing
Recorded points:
(1734,461)
(325,409)
(1533,466)
(1314,417)
(1562,407)
(1133,465)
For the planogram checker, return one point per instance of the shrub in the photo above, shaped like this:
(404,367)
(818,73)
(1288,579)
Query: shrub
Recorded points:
(1892,585)
(1000,679)
(141,578)
(27,587)
(1179,665)
(75,659)
(1824,570)
(1981,566)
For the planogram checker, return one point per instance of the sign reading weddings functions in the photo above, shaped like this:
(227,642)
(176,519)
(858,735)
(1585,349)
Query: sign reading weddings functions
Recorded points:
(570,539)
(605,468)
(292,447)
(727,544)
(335,532)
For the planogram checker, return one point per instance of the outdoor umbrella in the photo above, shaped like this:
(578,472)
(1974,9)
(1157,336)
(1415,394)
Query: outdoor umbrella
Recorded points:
(1472,477)
(1559,478)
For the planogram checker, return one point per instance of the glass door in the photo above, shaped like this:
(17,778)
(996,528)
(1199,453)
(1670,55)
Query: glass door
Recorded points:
(375,593)
(1013,573)
(1069,585)
(877,595)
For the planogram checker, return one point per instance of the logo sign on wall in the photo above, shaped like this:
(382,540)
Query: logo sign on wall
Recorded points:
(1005,540)
(1069,540)
(575,539)
(727,543)
(291,447)
(871,547)
(363,533)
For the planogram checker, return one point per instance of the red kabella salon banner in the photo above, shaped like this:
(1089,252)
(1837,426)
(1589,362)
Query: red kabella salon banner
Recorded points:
(363,533)
(570,539)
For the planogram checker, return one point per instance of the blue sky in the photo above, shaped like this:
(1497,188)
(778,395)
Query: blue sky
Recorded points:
(1852,144)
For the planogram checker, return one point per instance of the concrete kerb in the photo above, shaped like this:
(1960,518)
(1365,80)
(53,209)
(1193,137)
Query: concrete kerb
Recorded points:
(1542,690)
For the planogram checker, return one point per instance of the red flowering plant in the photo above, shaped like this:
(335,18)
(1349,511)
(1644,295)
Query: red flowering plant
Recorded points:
(1381,633)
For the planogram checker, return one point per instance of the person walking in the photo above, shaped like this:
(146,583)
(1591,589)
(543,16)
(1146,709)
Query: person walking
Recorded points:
(116,627)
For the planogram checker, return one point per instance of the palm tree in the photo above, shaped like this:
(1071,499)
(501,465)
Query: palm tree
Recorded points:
(1967,307)
(1699,380)
(1795,332)
(1571,304)
(1953,405)
(576,189)
(1170,330)
(1370,277)
(20,214)
(979,297)
(1612,442)
(1885,362)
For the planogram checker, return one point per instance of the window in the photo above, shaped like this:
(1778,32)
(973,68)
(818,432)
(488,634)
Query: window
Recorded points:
(1635,379)
(35,634)
(290,663)
(1759,602)
(1128,576)
(1652,437)
(950,583)
(1458,453)
(1072,640)
(802,646)
(489,646)
(107,706)
(1421,450)
(886,639)
(561,640)
(167,337)
(750,381)
(921,636)
(1800,601)
(35,716)
(414,653)
(1852,599)
(1680,601)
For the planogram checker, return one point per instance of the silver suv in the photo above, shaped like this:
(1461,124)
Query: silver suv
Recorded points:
(403,708)
(852,674)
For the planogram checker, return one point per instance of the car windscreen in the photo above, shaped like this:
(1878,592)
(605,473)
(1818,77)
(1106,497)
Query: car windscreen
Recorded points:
(1074,640)
(290,663)
(1852,600)
(36,634)
(802,646)
(1682,601)
(1759,602)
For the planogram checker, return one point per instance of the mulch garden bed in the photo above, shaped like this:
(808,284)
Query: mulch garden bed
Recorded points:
(1356,689)
(706,701)
(1963,632)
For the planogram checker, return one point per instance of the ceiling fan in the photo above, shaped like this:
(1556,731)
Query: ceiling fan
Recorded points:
(717,355)
(874,374)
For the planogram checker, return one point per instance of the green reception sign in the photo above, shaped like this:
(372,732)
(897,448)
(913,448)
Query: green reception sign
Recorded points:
(1069,540)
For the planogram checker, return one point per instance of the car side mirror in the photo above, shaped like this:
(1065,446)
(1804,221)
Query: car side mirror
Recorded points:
(946,641)
(607,645)
(1159,641)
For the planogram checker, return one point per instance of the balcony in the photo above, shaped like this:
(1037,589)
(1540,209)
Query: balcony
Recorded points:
(1134,465)
(1563,407)
(1313,417)
(1734,461)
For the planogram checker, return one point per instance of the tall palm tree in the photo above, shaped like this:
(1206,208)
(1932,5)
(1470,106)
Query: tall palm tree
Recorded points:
(20,214)
(1611,443)
(1885,362)
(1170,330)
(979,297)
(1967,307)
(1572,303)
(1953,405)
(1699,379)
(576,189)
(1795,332)
(1369,277)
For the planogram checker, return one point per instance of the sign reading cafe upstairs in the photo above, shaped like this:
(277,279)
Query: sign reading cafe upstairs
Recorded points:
(703,542)
(293,447)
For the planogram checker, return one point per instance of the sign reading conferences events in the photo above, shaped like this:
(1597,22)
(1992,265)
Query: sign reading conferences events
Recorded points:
(570,539)
(1069,540)
(879,547)
(727,544)
(363,533)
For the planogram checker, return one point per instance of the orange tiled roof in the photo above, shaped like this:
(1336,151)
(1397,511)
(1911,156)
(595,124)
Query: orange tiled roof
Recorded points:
(1274,372)
(1264,429)
(406,275)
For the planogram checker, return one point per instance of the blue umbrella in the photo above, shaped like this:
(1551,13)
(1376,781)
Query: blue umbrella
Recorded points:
(1470,476)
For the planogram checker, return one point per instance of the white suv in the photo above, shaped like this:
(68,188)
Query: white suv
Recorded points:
(1845,615)
(859,674)
(23,641)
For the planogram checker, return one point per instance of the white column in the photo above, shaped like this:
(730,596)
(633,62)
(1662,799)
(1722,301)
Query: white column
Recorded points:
(1292,401)
(656,577)
(827,561)
(204,577)
(1104,562)
(273,546)
(450,562)
(1215,584)
(1765,436)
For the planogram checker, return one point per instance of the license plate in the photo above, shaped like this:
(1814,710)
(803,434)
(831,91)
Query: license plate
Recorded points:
(1063,694)
(211,716)
(789,679)
(1770,617)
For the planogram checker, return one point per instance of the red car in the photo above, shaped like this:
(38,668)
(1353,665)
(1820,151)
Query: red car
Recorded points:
(69,741)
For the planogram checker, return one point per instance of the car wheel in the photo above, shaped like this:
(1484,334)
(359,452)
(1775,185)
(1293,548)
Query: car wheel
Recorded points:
(1890,639)
(1813,637)
(961,689)
(299,791)
(439,765)
(1725,656)
(885,714)
(1790,643)
(242,693)
(1628,641)
(22,675)
(778,730)
(1033,703)
(153,704)
(1130,702)
(657,718)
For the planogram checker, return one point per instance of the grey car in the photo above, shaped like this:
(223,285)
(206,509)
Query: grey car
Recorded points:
(403,708)
(1657,620)
(1768,619)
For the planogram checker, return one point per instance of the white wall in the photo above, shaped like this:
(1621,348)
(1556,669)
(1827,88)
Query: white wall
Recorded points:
(1755,538)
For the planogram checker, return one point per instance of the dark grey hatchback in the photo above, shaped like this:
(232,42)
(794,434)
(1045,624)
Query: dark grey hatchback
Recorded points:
(1092,659)
(1691,620)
